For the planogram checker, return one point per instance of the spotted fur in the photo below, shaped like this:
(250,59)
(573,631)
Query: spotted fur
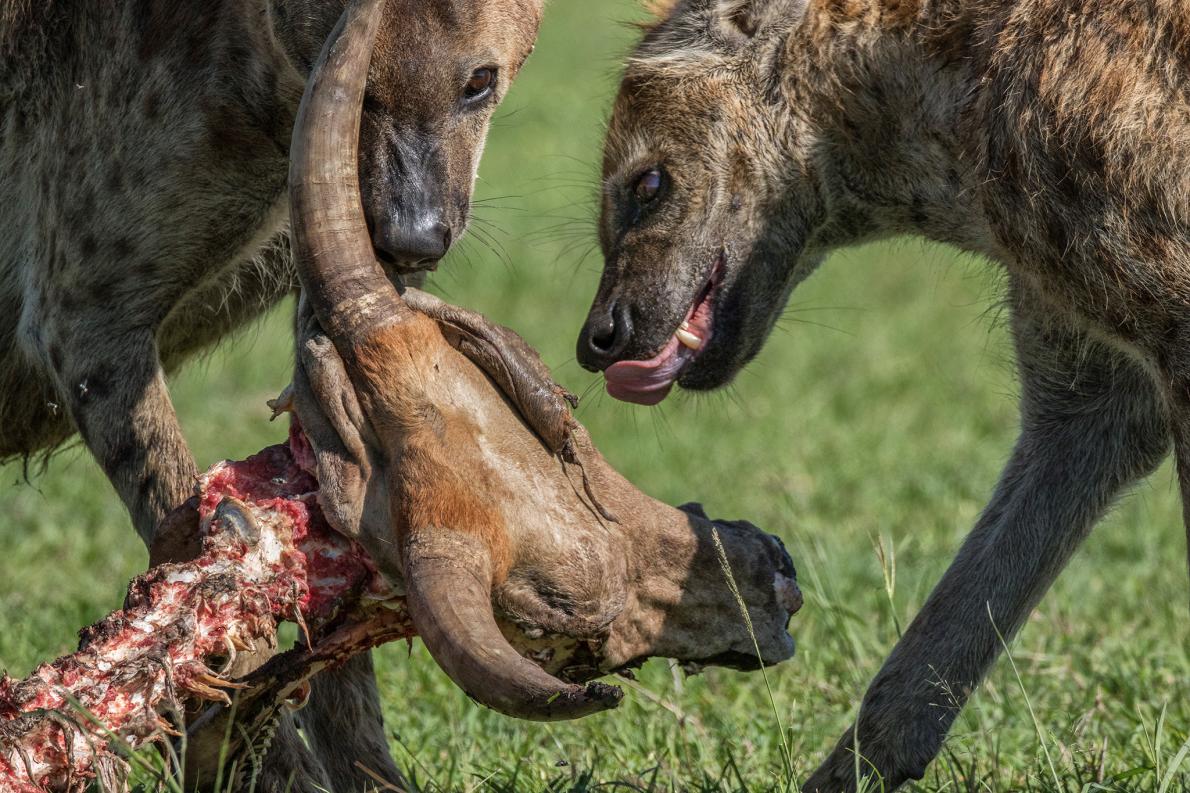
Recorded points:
(143,202)
(1050,137)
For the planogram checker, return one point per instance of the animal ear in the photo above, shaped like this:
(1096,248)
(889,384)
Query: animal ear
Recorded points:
(746,18)
(660,9)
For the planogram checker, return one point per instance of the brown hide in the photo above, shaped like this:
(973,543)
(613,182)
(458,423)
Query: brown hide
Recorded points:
(470,484)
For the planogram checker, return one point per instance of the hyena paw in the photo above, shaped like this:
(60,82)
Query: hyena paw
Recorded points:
(882,767)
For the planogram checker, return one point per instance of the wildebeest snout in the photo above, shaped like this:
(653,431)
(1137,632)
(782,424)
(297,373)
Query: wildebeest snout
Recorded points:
(719,567)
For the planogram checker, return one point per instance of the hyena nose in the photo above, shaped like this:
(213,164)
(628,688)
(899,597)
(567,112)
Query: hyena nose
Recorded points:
(412,243)
(605,336)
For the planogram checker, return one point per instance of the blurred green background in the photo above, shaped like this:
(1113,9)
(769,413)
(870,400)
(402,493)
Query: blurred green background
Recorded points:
(868,435)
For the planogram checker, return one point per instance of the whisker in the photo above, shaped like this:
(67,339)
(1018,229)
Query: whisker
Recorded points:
(485,238)
(784,320)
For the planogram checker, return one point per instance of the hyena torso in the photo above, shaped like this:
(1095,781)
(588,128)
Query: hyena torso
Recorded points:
(142,186)
(752,137)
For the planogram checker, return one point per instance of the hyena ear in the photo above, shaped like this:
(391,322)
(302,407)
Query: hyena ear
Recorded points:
(746,18)
(660,9)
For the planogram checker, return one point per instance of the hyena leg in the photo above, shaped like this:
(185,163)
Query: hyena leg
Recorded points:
(1092,423)
(289,767)
(111,383)
(345,727)
(1179,403)
(1182,444)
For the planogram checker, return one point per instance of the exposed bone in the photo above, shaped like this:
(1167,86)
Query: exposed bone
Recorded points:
(267,555)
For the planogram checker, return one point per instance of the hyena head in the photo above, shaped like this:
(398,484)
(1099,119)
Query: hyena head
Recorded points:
(710,195)
(439,70)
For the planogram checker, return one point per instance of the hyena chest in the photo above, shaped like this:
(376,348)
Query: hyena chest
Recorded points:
(213,221)
(257,274)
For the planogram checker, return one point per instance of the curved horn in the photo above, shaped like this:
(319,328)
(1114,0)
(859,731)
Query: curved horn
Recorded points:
(448,574)
(449,594)
(332,249)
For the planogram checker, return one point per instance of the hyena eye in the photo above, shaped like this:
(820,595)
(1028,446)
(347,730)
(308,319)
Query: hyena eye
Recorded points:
(481,83)
(648,185)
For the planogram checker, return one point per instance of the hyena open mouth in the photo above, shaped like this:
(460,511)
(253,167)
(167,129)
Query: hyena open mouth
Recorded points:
(649,382)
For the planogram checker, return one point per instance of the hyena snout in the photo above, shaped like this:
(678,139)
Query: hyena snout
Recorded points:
(409,206)
(605,335)
(412,240)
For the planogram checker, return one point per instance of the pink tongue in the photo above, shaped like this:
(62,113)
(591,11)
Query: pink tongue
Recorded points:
(647,382)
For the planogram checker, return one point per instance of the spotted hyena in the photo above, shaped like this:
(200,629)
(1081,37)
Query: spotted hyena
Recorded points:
(143,204)
(752,137)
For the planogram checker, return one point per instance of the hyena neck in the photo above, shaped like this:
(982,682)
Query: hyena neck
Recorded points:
(893,88)
(219,45)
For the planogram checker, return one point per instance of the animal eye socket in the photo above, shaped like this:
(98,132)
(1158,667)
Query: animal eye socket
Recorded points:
(648,185)
(481,83)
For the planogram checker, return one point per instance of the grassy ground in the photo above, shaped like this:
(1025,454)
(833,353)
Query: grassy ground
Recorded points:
(868,435)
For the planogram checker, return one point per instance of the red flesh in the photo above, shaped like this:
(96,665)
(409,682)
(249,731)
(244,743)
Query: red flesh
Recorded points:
(649,382)
(145,659)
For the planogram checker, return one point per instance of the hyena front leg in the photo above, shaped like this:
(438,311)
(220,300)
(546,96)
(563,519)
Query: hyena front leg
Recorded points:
(1092,422)
(110,381)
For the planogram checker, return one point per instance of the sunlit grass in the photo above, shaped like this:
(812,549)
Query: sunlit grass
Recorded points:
(868,436)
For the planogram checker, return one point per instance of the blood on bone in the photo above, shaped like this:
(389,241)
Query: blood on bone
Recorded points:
(144,660)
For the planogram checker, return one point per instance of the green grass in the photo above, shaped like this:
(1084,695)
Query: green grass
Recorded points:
(869,433)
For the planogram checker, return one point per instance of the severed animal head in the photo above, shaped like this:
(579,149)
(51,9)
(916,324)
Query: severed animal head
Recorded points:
(440,443)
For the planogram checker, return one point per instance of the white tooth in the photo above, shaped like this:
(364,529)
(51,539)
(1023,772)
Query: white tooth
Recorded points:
(689,339)
(685,325)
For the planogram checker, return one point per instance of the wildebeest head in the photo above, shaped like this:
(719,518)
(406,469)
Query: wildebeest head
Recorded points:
(511,549)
